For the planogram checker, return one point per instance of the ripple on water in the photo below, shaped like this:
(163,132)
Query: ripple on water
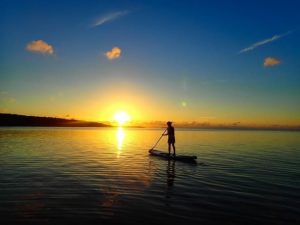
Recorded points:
(50,175)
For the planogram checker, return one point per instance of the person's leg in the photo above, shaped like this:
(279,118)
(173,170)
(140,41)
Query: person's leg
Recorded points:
(174,151)
(169,148)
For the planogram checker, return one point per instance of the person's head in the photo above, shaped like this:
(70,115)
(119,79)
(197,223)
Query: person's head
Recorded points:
(169,123)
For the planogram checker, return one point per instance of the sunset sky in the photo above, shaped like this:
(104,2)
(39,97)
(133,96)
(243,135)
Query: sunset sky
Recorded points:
(219,62)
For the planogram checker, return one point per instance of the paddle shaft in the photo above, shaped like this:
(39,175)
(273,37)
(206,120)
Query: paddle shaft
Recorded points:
(159,139)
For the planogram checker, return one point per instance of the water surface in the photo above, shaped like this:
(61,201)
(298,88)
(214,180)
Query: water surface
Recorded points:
(105,175)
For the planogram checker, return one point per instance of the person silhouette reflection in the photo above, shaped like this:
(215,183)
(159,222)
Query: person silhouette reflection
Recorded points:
(170,181)
(170,172)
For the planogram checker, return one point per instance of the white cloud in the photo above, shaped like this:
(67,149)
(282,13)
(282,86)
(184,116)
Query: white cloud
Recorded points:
(270,61)
(263,42)
(110,17)
(114,53)
(40,46)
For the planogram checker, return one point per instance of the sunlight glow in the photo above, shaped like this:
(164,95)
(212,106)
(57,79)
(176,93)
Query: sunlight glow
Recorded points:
(121,118)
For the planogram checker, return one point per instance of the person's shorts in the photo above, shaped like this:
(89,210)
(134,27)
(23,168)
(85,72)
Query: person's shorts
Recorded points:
(171,140)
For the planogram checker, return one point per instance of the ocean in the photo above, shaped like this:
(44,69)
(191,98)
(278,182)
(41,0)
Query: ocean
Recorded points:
(106,176)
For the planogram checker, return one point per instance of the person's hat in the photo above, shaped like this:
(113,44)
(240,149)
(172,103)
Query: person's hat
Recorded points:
(169,122)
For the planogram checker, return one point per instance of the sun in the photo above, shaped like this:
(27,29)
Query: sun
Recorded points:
(121,118)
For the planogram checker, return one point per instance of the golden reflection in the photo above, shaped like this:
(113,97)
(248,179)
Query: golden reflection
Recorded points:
(120,138)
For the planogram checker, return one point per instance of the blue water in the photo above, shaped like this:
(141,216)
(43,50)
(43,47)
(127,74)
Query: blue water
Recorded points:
(106,176)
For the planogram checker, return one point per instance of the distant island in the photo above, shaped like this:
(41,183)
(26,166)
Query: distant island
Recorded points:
(9,120)
(38,121)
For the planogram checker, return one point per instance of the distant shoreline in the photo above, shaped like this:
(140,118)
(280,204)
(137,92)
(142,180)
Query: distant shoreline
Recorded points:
(16,120)
(13,120)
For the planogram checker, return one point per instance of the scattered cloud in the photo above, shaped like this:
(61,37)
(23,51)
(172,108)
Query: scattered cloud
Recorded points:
(236,123)
(263,42)
(114,53)
(110,17)
(270,61)
(40,46)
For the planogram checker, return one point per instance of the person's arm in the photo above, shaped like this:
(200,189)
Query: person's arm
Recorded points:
(165,134)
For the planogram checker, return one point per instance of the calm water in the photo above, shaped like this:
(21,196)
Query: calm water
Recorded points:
(105,175)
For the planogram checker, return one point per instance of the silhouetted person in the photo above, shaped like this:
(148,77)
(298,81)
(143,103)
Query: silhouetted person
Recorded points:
(171,137)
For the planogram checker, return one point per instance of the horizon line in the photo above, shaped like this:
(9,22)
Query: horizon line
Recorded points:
(160,124)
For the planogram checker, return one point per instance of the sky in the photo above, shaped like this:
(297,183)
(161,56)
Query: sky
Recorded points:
(199,62)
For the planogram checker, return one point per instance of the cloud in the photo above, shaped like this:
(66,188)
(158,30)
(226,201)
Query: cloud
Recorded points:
(110,17)
(269,61)
(114,53)
(263,42)
(40,46)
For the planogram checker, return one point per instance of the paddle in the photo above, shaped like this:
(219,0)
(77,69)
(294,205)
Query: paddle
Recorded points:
(159,139)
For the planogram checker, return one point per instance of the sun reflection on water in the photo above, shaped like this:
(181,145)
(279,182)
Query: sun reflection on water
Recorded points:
(120,135)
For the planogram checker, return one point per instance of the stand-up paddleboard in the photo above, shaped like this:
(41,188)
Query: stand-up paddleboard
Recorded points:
(186,158)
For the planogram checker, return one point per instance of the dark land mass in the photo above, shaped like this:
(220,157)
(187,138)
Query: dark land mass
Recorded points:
(37,121)
(7,119)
